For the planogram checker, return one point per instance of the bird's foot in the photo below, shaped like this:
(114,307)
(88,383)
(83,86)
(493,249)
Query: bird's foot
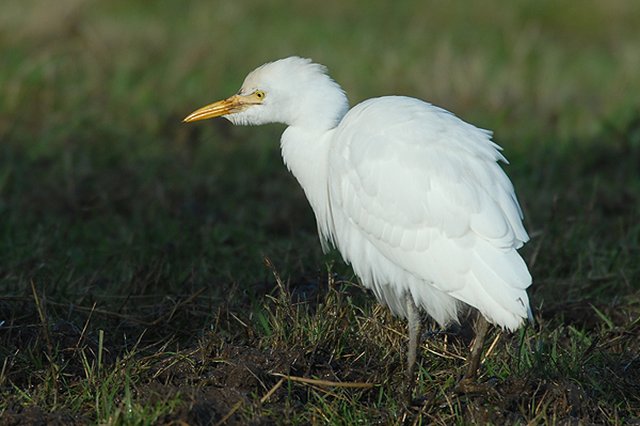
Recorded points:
(419,403)
(470,385)
(409,386)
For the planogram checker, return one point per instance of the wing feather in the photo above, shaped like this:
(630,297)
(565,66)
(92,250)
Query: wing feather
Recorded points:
(425,190)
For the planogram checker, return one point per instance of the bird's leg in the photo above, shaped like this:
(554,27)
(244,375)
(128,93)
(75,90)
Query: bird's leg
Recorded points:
(468,382)
(413,326)
(482,326)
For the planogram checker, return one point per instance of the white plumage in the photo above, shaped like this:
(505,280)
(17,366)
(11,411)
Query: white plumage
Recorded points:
(418,204)
(412,196)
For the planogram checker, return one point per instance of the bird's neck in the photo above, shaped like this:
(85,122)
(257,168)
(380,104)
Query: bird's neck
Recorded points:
(306,154)
(319,110)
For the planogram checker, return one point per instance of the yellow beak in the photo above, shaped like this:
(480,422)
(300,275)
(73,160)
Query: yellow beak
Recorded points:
(230,105)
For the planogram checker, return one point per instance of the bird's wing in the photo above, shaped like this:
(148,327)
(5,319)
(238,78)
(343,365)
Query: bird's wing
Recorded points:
(425,189)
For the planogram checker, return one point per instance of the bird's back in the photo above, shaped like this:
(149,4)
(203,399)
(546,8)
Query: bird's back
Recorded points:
(420,204)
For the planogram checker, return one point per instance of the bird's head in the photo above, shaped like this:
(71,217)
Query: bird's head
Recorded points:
(293,91)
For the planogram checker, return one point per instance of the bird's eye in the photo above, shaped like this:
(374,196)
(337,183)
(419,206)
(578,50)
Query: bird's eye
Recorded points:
(259,94)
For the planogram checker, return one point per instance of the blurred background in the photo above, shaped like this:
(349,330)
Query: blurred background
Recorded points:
(103,187)
(543,68)
(101,181)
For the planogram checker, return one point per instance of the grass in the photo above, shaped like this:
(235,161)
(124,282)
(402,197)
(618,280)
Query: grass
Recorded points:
(153,272)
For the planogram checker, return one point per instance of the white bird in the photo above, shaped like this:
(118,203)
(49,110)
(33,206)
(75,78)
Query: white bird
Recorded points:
(412,196)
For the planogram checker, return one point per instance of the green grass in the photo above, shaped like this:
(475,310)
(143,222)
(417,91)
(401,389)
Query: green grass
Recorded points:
(133,282)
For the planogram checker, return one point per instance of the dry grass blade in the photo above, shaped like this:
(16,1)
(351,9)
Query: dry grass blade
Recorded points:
(188,300)
(86,324)
(491,347)
(239,404)
(43,318)
(318,382)
(272,390)
(276,275)
(231,412)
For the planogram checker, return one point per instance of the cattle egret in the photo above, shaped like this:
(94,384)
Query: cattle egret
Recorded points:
(412,196)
